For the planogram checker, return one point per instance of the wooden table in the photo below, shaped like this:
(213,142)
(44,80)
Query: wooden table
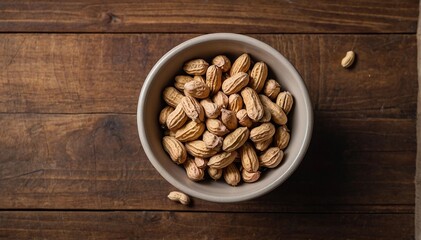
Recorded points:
(71,163)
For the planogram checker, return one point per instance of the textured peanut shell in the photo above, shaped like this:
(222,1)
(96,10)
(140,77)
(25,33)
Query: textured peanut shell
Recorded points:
(214,79)
(263,145)
(267,116)
(196,67)
(282,137)
(258,76)
(241,64)
(211,140)
(193,172)
(250,177)
(199,78)
(179,197)
(193,109)
(348,60)
(271,89)
(229,119)
(198,148)
(285,101)
(216,127)
(232,175)
(222,62)
(172,96)
(180,80)
(249,159)
(214,173)
(278,115)
(189,132)
(211,109)
(263,132)
(243,118)
(253,104)
(221,99)
(236,139)
(163,115)
(271,158)
(176,118)
(235,83)
(201,163)
(197,89)
(175,149)
(222,160)
(235,102)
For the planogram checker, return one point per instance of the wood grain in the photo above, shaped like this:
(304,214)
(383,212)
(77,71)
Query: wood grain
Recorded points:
(262,16)
(186,225)
(95,161)
(93,73)
(418,157)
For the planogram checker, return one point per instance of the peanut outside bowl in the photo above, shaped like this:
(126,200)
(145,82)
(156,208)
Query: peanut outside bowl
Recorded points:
(300,120)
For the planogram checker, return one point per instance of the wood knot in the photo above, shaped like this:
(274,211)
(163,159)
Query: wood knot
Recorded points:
(111,18)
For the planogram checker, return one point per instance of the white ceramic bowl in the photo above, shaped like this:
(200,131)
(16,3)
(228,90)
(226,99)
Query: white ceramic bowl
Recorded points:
(208,46)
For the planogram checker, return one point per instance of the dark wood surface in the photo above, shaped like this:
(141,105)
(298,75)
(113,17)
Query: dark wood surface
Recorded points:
(262,16)
(71,163)
(187,225)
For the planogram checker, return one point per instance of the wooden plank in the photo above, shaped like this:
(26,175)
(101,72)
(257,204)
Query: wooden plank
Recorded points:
(418,158)
(85,161)
(187,225)
(216,16)
(91,73)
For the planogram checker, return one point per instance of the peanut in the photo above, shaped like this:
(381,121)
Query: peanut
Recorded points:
(249,159)
(271,89)
(250,177)
(282,137)
(193,172)
(222,62)
(196,89)
(285,101)
(198,148)
(196,67)
(348,60)
(179,197)
(222,160)
(235,102)
(216,127)
(193,109)
(214,78)
(212,110)
(278,115)
(172,96)
(258,76)
(181,80)
(163,115)
(220,99)
(176,118)
(229,119)
(189,132)
(235,139)
(175,149)
(235,83)
(262,132)
(232,175)
(241,64)
(271,157)
(253,104)
(214,173)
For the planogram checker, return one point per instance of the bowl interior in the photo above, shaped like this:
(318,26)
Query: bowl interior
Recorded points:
(162,75)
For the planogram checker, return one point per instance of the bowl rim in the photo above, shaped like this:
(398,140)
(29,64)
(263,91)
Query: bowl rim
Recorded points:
(238,38)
